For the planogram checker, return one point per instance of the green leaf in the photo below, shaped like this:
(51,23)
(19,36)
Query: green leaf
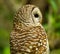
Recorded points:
(6,50)
(53,5)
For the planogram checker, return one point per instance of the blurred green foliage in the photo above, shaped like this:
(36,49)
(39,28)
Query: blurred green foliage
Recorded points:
(6,20)
(56,51)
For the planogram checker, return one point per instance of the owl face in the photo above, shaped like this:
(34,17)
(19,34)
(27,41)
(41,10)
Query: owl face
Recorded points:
(36,16)
(29,15)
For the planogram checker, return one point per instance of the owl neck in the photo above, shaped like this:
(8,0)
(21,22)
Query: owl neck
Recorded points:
(18,26)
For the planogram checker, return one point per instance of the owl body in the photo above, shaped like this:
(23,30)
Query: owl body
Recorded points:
(28,35)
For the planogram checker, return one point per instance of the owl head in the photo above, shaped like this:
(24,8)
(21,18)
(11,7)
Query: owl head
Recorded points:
(29,15)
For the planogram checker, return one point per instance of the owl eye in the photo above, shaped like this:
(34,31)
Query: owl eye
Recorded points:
(36,15)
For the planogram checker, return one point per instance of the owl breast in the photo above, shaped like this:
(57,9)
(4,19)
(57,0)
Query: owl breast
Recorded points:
(30,40)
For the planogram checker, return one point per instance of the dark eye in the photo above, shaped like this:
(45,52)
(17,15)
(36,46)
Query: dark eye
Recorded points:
(36,15)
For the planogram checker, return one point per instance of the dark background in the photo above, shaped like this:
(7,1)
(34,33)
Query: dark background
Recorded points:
(51,21)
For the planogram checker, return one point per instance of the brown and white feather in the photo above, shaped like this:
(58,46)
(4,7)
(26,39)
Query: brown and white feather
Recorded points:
(28,36)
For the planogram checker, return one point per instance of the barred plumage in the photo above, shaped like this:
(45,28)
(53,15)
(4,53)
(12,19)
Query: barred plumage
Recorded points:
(28,35)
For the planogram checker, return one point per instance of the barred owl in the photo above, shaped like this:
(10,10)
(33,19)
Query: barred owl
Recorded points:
(28,35)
